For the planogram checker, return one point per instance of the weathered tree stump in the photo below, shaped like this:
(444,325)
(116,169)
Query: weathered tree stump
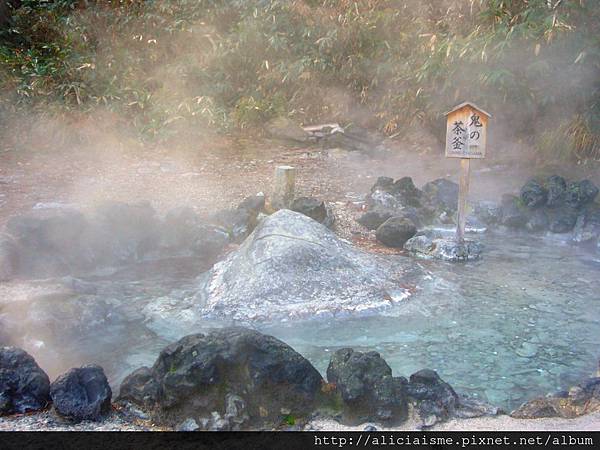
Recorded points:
(283,187)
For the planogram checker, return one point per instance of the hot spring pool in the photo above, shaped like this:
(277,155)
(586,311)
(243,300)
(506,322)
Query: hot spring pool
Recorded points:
(521,322)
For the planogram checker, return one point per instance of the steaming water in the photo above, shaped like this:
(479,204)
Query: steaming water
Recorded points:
(522,322)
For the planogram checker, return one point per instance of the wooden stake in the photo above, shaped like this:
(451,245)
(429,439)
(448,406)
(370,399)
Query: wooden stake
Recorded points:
(283,187)
(463,194)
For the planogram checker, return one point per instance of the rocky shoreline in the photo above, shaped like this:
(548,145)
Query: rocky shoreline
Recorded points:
(239,379)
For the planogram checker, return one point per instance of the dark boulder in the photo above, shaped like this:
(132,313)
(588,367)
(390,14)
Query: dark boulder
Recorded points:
(369,391)
(23,385)
(82,393)
(139,387)
(9,257)
(435,399)
(373,219)
(407,193)
(562,219)
(579,194)
(556,187)
(533,194)
(514,214)
(385,184)
(262,378)
(395,231)
(442,193)
(311,207)
(183,232)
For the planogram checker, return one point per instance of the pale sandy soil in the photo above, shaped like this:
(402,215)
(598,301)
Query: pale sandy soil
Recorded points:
(590,422)
(48,421)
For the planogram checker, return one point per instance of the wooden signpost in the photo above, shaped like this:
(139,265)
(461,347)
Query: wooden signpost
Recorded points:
(466,132)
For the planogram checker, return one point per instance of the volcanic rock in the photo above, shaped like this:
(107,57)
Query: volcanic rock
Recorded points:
(226,379)
(23,385)
(82,393)
(313,208)
(395,231)
(442,193)
(579,194)
(556,186)
(367,387)
(436,400)
(533,194)
(373,219)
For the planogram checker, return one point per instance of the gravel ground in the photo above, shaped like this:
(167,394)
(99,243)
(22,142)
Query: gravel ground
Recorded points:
(50,421)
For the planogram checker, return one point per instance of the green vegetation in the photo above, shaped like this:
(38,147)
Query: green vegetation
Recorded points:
(171,67)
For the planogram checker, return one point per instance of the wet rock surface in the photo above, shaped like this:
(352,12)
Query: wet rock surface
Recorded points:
(395,231)
(23,385)
(435,204)
(431,244)
(435,399)
(82,393)
(265,279)
(367,387)
(552,205)
(226,379)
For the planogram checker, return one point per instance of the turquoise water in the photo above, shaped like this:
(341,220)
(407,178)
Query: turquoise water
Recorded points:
(521,322)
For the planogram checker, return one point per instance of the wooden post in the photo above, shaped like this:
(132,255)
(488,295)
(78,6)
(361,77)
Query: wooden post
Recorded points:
(283,187)
(466,132)
(463,194)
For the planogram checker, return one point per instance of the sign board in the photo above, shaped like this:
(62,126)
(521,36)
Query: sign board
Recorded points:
(466,131)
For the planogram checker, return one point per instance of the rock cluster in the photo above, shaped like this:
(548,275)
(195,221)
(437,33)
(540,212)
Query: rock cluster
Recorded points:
(236,379)
(396,209)
(554,205)
(63,241)
(80,394)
